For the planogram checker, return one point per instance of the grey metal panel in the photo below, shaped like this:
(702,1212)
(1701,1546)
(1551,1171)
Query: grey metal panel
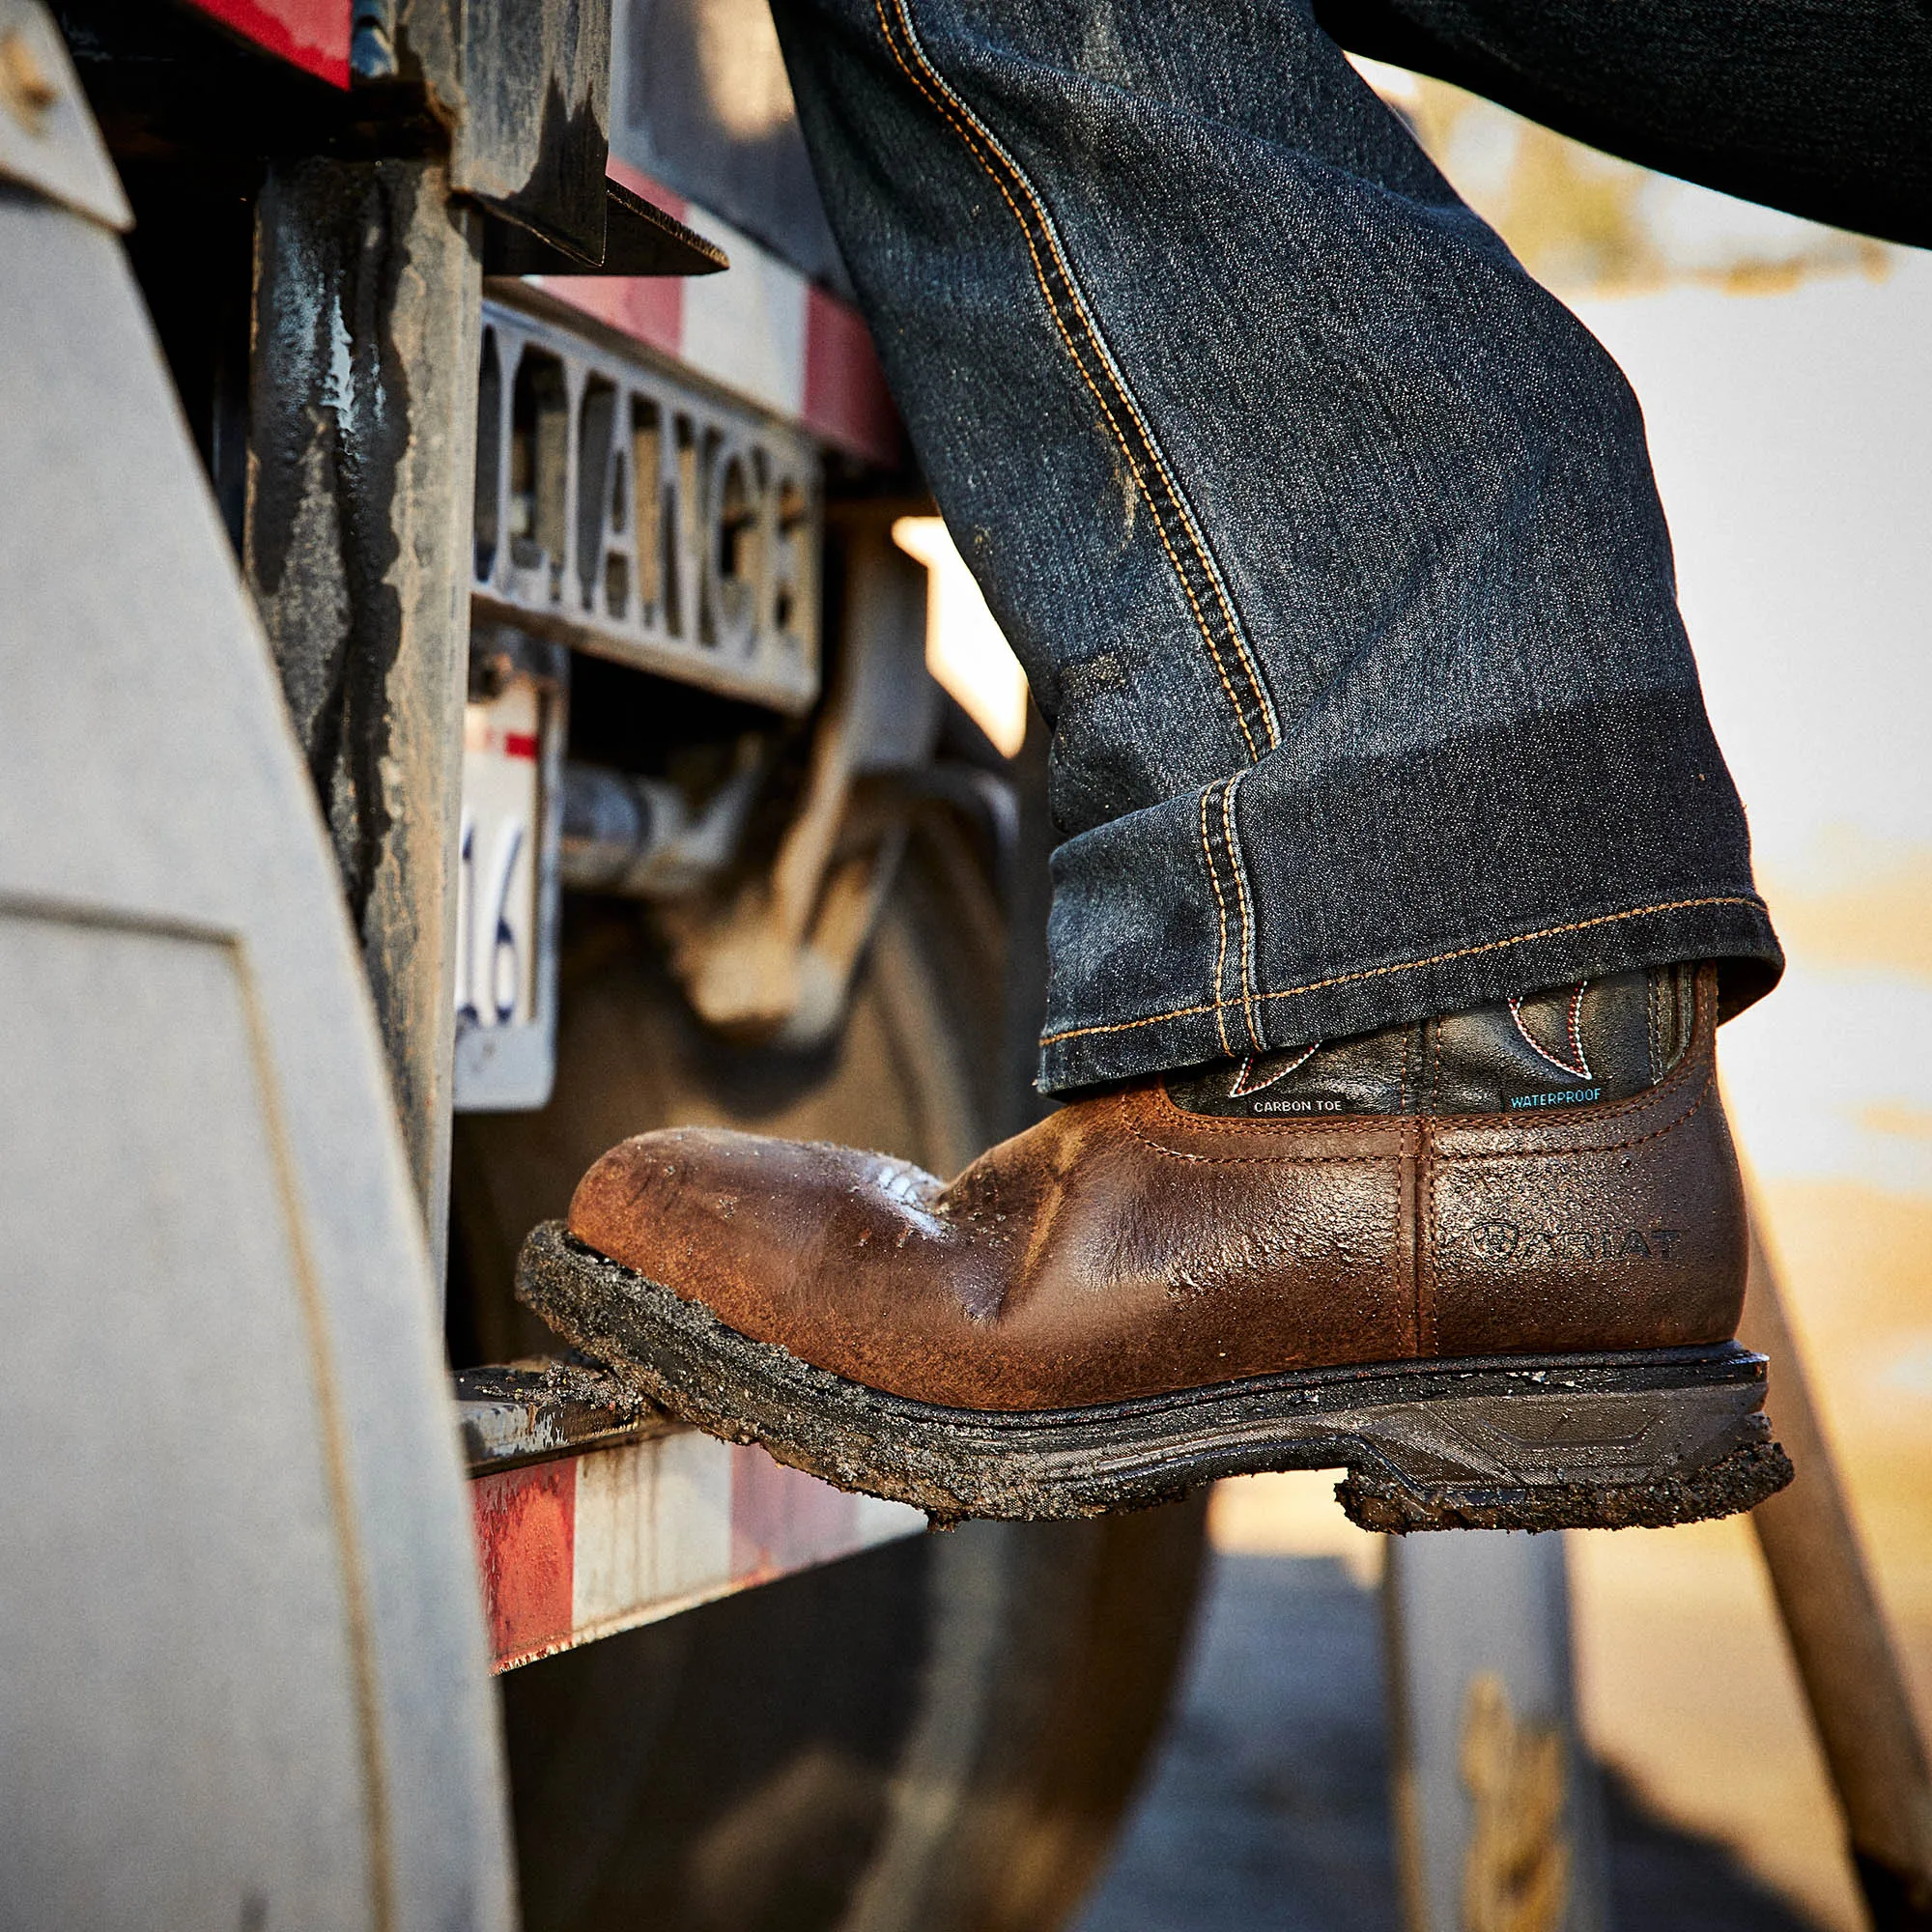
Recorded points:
(700,101)
(263,1636)
(126,1729)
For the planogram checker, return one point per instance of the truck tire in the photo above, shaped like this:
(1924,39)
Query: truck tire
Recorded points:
(937,1736)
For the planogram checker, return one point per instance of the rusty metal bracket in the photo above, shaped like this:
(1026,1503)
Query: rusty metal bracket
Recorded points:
(534,1411)
(524,88)
(639,239)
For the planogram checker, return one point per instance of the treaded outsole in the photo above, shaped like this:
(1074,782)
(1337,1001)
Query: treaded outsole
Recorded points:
(1515,1442)
(1737,1481)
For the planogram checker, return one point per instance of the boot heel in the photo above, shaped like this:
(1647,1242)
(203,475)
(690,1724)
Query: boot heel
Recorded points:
(1593,1446)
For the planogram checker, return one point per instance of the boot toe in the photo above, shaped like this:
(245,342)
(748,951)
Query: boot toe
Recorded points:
(771,1235)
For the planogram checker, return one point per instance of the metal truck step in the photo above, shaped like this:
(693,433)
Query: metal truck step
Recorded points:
(594,1513)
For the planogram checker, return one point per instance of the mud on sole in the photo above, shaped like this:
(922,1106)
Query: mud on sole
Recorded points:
(1573,1442)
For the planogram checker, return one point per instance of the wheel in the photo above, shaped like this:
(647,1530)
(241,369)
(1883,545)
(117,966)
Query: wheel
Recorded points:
(938,1736)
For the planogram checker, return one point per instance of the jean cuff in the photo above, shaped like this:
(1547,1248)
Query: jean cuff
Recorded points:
(1265,912)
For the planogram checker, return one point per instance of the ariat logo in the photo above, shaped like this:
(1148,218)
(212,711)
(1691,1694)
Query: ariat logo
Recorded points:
(1511,1241)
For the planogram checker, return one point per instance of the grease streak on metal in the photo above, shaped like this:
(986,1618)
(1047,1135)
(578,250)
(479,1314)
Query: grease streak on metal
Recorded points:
(358,550)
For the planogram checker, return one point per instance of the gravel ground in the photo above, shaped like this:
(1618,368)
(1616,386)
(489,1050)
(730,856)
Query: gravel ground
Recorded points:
(1267,1811)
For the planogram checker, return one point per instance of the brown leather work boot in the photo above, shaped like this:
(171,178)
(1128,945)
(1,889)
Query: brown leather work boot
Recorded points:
(1491,1263)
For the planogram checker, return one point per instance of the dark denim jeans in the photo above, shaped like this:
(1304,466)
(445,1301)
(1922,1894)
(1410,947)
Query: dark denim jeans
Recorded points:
(1327,539)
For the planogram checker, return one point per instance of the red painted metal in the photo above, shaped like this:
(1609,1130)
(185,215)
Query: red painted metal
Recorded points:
(648,308)
(645,188)
(312,34)
(526,1522)
(846,400)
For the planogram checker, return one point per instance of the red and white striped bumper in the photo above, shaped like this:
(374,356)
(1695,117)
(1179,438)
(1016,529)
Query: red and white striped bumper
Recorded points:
(622,1522)
(761,330)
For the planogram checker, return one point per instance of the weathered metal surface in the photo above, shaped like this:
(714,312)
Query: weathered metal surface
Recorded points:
(524,88)
(638,837)
(1846,1658)
(183,98)
(777,959)
(534,1412)
(633,516)
(48,141)
(242,1657)
(1497,1819)
(358,549)
(765,333)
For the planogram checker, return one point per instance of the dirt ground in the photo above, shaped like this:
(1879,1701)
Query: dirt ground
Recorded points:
(1269,1810)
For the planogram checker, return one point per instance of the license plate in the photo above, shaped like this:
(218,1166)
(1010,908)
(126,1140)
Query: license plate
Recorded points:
(506,886)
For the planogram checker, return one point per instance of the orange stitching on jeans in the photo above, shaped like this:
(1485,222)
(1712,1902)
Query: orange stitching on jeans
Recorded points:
(1221,915)
(1246,910)
(980,146)
(974,148)
(1410,965)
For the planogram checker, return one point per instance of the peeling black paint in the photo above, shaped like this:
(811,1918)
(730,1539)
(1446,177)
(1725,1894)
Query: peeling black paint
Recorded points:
(329,434)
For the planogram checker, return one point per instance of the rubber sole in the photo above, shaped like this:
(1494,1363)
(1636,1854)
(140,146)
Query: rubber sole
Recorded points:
(1573,1442)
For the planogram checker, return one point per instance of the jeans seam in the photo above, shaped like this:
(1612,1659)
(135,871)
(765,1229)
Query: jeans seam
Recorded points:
(1244,904)
(1221,921)
(1411,965)
(981,142)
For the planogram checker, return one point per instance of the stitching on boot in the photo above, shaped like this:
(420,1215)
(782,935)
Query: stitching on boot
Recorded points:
(1240,1089)
(987,150)
(1578,1067)
(1671,1126)
(1269,1157)
(1423,1240)
(1651,1024)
